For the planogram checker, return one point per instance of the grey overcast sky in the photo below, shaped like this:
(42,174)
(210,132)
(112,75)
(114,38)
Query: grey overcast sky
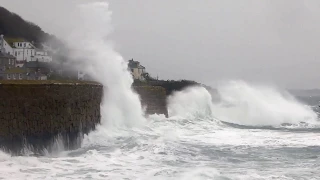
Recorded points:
(266,41)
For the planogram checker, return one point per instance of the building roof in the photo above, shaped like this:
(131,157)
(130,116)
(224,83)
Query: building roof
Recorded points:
(36,64)
(10,41)
(5,55)
(141,67)
(35,74)
(133,64)
(16,70)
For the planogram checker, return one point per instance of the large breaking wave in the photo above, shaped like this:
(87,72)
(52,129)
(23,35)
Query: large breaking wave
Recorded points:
(90,28)
(193,102)
(243,104)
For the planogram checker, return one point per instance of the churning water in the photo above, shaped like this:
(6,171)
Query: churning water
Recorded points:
(252,132)
(193,143)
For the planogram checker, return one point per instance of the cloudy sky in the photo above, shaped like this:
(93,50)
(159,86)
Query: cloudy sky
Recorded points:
(208,41)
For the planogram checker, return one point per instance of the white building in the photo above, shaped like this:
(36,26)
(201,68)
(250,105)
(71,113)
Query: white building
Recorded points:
(41,56)
(24,52)
(5,47)
(137,70)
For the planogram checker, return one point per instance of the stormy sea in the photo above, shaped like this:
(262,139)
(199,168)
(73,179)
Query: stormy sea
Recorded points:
(241,131)
(248,132)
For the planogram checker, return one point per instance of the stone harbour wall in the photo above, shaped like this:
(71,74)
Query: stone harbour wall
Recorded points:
(153,98)
(36,113)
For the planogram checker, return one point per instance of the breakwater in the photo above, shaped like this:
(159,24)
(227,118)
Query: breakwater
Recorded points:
(37,114)
(153,99)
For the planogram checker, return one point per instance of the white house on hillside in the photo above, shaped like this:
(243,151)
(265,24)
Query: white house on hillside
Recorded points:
(24,52)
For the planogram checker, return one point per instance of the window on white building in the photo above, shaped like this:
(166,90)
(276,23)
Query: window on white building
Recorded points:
(25,44)
(9,62)
(8,76)
(20,76)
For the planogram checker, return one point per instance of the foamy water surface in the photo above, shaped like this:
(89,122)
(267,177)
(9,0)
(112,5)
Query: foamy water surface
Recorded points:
(178,149)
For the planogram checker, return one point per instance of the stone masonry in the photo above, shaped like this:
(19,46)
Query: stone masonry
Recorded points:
(36,113)
(153,98)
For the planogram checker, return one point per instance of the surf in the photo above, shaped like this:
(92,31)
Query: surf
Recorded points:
(244,104)
(259,105)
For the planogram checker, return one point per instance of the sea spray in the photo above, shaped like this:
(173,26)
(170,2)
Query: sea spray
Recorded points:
(256,105)
(244,104)
(90,48)
(192,102)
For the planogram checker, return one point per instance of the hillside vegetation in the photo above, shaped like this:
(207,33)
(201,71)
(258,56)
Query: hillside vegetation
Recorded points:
(12,26)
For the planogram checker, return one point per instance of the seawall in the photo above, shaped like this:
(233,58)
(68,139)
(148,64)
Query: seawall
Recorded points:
(37,112)
(153,98)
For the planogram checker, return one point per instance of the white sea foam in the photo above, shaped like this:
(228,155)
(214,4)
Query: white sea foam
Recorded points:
(243,104)
(192,102)
(253,105)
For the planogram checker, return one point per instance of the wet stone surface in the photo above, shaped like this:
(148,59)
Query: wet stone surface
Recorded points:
(36,114)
